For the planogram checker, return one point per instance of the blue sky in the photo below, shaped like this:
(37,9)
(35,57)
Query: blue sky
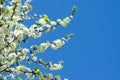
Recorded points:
(93,53)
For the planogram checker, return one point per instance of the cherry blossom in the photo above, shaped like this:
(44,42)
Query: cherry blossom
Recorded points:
(13,33)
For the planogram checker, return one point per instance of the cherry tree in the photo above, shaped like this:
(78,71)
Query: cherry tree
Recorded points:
(13,32)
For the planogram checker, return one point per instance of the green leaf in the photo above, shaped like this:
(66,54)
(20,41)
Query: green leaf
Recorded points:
(2,1)
(37,71)
(19,78)
(46,18)
(69,36)
(57,77)
(30,7)
(74,10)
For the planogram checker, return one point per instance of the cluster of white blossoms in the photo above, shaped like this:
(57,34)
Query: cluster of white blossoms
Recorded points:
(43,46)
(65,21)
(14,58)
(56,66)
(21,53)
(57,44)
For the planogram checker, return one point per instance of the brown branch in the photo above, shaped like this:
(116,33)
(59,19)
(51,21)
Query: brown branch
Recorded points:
(9,26)
(14,11)
(13,14)
(7,44)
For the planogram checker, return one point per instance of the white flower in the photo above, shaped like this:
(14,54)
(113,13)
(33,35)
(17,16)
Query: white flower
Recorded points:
(20,26)
(50,76)
(13,45)
(30,76)
(65,21)
(71,16)
(40,29)
(56,67)
(21,68)
(48,27)
(16,18)
(12,56)
(43,46)
(16,1)
(19,34)
(53,23)
(28,69)
(2,41)
(2,67)
(57,44)
(25,50)
(35,14)
(1,30)
(22,53)
(1,58)
(33,27)
(21,58)
(4,77)
(42,21)
(26,30)
(59,20)
(53,46)
(18,54)
(8,10)
(65,79)
(34,58)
